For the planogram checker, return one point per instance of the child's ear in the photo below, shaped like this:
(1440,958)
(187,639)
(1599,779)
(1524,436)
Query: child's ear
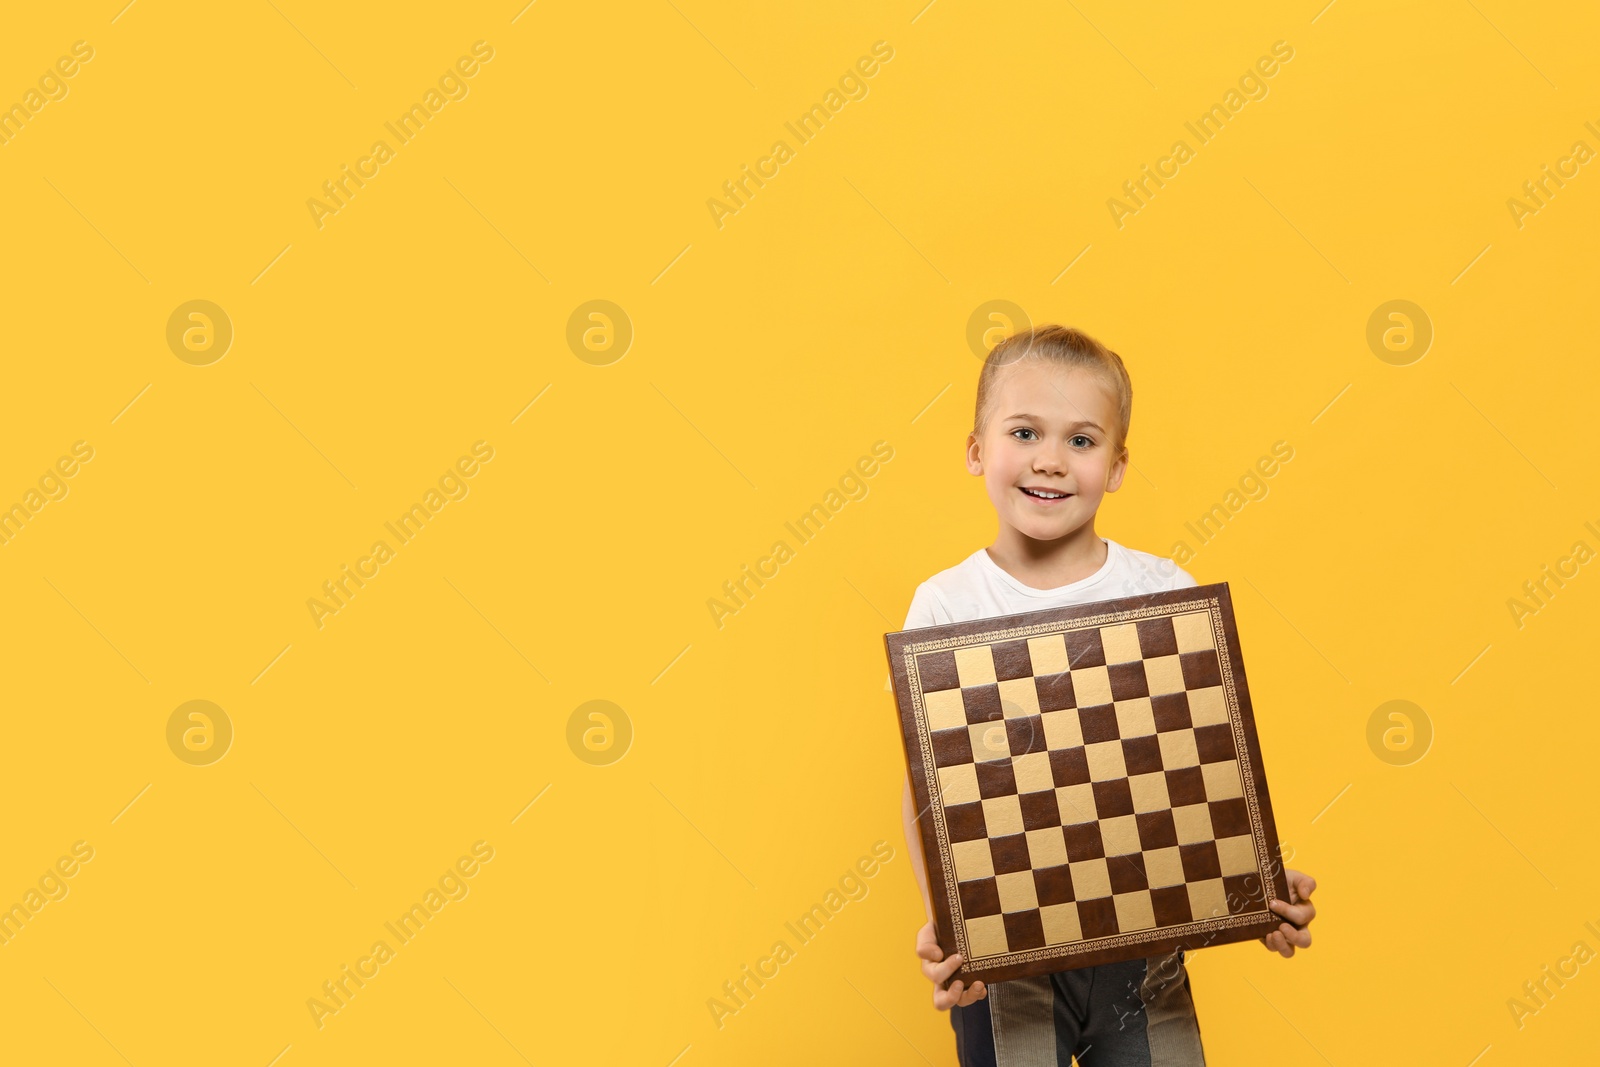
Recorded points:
(974,454)
(1118,468)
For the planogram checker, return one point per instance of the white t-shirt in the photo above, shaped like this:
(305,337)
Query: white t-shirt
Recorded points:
(977,587)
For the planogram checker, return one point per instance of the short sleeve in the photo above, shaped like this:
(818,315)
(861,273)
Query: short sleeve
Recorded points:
(1183,579)
(925,609)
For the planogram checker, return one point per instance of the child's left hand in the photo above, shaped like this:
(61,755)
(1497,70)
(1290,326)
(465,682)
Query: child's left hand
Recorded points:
(1298,910)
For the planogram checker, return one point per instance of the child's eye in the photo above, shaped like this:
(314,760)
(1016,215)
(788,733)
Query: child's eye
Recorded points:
(1022,429)
(1084,439)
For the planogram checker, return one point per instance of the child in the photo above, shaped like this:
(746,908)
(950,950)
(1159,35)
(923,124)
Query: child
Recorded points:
(1050,441)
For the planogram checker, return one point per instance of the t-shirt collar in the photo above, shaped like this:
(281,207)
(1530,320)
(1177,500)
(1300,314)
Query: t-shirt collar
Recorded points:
(985,561)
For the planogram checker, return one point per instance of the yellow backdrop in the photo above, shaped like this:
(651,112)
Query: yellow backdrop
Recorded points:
(397,382)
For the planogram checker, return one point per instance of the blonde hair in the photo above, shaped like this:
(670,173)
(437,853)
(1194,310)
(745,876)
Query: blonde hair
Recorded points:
(1066,347)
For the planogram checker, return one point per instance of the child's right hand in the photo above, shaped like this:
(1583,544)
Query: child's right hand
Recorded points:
(937,969)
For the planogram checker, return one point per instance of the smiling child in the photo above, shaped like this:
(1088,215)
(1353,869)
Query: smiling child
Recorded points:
(1050,441)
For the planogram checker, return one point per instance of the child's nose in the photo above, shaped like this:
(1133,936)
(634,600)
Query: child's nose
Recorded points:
(1052,458)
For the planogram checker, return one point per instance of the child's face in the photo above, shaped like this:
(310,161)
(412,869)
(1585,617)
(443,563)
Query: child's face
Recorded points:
(1050,428)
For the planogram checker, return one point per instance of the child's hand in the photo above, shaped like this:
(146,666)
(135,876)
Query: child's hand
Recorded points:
(937,969)
(1298,910)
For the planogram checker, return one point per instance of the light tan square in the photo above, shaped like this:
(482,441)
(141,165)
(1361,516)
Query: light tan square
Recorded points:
(1222,780)
(1164,675)
(1121,643)
(1149,792)
(1048,654)
(1194,823)
(1208,706)
(945,709)
(1178,749)
(1062,729)
(1091,686)
(1061,923)
(1090,879)
(1076,803)
(1002,815)
(989,741)
(975,666)
(986,936)
(958,784)
(1194,631)
(1207,898)
(1016,891)
(1237,855)
(973,860)
(1018,698)
(1105,760)
(1120,834)
(1033,772)
(1163,867)
(1135,911)
(1135,717)
(1047,847)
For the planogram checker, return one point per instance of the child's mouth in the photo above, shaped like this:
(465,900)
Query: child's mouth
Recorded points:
(1043,496)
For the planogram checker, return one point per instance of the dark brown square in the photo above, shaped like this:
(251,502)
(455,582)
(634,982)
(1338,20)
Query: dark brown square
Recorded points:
(1040,810)
(996,779)
(1142,755)
(1244,894)
(1083,842)
(1128,680)
(1026,735)
(1157,637)
(1200,669)
(1113,798)
(937,671)
(1186,785)
(965,822)
(1024,930)
(952,747)
(1099,723)
(1053,885)
(981,896)
(1127,873)
(1171,712)
(981,703)
(1214,743)
(1083,649)
(1055,691)
(1010,853)
(1097,918)
(1069,766)
(1171,905)
(1011,660)
(1230,818)
(1200,861)
(1156,829)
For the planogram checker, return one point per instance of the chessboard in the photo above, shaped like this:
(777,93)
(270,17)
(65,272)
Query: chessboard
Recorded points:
(1088,781)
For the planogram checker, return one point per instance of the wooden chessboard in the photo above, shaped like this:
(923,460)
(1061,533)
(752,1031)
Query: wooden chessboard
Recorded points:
(1089,783)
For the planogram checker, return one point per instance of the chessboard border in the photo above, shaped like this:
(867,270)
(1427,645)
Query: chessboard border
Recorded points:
(902,648)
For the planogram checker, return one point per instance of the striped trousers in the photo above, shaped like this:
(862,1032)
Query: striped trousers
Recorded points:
(1134,1014)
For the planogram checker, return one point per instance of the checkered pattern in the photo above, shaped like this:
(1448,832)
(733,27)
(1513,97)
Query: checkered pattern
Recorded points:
(1090,783)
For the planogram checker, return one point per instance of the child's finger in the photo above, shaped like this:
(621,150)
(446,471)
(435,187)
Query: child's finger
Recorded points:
(1298,914)
(938,973)
(1296,937)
